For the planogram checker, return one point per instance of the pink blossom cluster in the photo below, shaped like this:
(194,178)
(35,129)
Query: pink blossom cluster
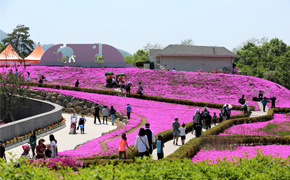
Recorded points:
(196,86)
(257,128)
(160,115)
(53,163)
(274,150)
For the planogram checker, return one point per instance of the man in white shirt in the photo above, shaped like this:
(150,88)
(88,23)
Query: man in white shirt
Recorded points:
(150,136)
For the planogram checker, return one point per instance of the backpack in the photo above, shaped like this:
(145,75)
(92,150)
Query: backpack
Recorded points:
(245,107)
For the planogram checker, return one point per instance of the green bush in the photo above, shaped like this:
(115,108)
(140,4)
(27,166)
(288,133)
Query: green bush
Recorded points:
(194,144)
(260,167)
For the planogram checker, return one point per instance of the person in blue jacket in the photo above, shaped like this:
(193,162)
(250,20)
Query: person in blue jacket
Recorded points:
(264,102)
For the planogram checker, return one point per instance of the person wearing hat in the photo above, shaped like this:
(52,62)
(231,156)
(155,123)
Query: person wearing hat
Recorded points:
(175,126)
(2,150)
(150,136)
(40,148)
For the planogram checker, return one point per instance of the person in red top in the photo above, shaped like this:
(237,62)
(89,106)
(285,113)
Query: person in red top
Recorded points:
(122,148)
(40,148)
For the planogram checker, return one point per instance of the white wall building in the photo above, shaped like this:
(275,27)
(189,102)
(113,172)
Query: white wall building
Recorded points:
(192,58)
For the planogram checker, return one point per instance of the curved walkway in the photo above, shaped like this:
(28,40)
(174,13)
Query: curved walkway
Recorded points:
(169,148)
(68,141)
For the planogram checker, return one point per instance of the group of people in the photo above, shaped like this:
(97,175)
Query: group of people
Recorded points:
(145,142)
(105,111)
(42,150)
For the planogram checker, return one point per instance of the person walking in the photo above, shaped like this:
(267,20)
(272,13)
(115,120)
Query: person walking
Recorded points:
(40,148)
(228,109)
(214,118)
(112,113)
(196,119)
(128,87)
(182,133)
(17,73)
(53,142)
(129,109)
(205,117)
(114,82)
(198,129)
(28,77)
(225,116)
(246,109)
(160,146)
(150,136)
(261,95)
(122,146)
(175,126)
(142,143)
(140,89)
(32,142)
(105,112)
(2,150)
(77,83)
(242,100)
(273,99)
(73,116)
(97,113)
(208,121)
(264,102)
(82,122)
(221,116)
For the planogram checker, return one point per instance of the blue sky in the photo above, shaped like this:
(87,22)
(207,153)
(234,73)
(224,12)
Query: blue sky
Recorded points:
(130,24)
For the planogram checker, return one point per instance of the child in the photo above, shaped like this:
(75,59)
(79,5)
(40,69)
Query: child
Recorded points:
(48,151)
(160,146)
(198,129)
(214,118)
(122,148)
(182,133)
(2,150)
(221,116)
(82,122)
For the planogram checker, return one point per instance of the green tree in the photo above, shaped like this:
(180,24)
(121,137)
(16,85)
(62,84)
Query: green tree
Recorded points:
(264,59)
(187,42)
(1,47)
(153,46)
(19,40)
(12,85)
(139,56)
(283,70)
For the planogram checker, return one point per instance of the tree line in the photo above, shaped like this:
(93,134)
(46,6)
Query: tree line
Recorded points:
(265,59)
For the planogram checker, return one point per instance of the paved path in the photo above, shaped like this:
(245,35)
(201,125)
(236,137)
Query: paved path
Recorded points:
(68,141)
(170,148)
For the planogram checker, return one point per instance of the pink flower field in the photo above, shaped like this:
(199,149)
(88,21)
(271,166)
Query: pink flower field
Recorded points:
(214,88)
(214,155)
(280,124)
(160,115)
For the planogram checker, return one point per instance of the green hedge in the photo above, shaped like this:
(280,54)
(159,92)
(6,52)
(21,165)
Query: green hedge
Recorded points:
(192,147)
(137,96)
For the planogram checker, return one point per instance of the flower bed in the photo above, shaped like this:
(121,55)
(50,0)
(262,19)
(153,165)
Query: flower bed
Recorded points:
(37,132)
(276,127)
(57,163)
(160,115)
(274,150)
(213,88)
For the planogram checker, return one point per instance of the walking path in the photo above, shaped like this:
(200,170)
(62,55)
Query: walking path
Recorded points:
(68,141)
(170,148)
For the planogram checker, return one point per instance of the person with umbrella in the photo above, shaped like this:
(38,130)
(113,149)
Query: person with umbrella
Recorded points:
(273,99)
(242,100)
